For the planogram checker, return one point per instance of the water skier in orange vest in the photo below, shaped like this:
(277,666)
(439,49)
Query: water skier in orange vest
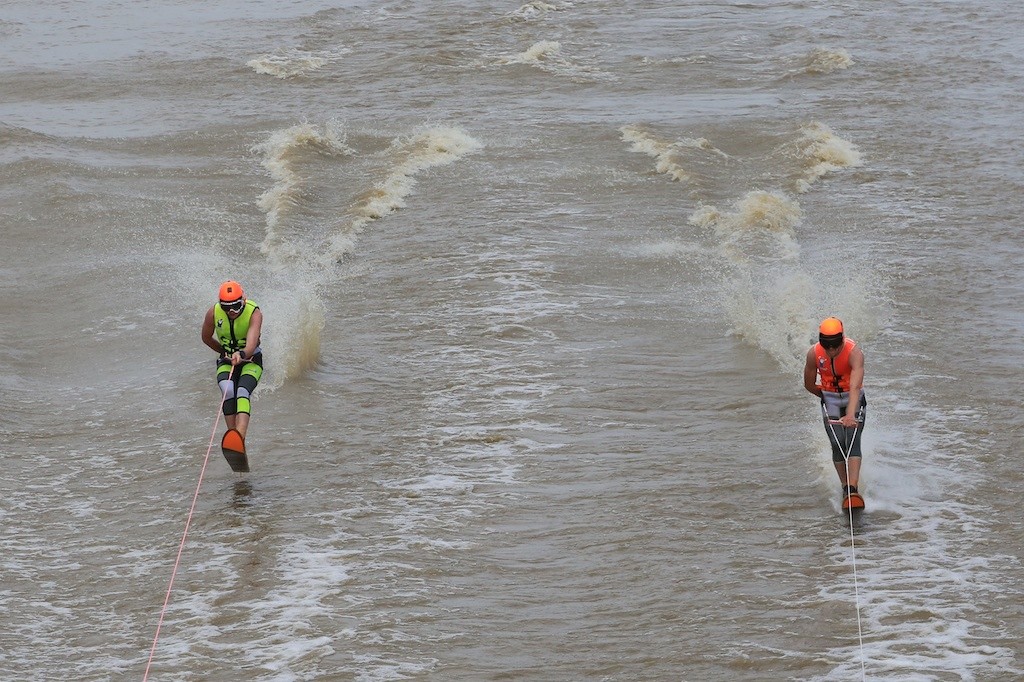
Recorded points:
(840,363)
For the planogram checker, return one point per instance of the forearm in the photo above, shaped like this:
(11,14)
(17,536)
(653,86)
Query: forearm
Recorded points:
(856,385)
(810,385)
(252,343)
(252,337)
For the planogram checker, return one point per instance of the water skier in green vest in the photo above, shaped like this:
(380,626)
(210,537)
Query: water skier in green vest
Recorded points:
(232,329)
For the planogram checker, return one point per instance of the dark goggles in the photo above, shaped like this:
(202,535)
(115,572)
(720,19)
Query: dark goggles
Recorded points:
(233,306)
(830,342)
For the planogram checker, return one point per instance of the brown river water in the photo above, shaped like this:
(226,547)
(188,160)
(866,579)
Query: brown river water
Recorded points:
(537,280)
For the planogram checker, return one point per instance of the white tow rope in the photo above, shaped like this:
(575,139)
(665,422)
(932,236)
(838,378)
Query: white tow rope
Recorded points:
(853,545)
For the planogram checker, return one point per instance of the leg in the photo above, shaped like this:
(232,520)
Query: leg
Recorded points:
(226,383)
(852,465)
(853,450)
(248,378)
(241,423)
(845,453)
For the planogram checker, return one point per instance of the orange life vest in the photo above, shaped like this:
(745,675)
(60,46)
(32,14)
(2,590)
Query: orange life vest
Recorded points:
(835,372)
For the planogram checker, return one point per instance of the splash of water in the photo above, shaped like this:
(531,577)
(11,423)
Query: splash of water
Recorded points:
(294,63)
(304,264)
(760,225)
(283,152)
(666,154)
(823,60)
(533,10)
(548,55)
(427,149)
(823,152)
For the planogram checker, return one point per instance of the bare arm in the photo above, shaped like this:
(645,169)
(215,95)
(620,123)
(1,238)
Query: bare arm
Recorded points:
(252,337)
(856,384)
(811,374)
(207,332)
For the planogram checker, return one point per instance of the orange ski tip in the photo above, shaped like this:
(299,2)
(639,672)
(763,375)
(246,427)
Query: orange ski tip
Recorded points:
(233,441)
(853,501)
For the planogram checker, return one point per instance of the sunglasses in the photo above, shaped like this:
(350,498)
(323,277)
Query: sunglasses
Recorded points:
(832,343)
(234,306)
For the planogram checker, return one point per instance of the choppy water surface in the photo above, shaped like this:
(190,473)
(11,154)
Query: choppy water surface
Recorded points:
(538,280)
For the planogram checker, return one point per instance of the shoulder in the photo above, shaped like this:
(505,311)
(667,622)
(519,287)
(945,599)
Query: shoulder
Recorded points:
(812,354)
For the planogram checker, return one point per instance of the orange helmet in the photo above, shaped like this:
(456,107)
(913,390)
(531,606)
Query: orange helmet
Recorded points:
(231,291)
(830,326)
(830,332)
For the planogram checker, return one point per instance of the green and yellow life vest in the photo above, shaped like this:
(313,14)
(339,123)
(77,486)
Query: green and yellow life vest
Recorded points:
(231,333)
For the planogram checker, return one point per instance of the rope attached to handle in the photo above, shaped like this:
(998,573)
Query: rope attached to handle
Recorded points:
(184,535)
(853,545)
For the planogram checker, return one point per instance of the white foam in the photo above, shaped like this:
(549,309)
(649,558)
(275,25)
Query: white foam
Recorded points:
(294,62)
(918,571)
(302,263)
(823,60)
(282,156)
(823,152)
(760,226)
(536,9)
(665,153)
(429,148)
(378,669)
(547,55)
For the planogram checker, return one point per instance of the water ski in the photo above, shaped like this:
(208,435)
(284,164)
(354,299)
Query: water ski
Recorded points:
(233,446)
(853,502)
